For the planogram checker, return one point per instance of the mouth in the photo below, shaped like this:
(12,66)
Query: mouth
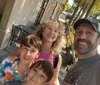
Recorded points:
(33,80)
(26,58)
(82,43)
(50,36)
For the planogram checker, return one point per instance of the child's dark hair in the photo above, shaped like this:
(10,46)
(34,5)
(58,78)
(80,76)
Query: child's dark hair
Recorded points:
(46,66)
(32,40)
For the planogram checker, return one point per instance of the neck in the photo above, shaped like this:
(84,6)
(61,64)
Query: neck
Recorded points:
(87,55)
(23,67)
(46,46)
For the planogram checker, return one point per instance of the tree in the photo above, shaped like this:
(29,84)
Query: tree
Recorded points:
(89,9)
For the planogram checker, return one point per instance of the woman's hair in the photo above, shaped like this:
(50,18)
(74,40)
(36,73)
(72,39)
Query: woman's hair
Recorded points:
(46,66)
(60,42)
(32,40)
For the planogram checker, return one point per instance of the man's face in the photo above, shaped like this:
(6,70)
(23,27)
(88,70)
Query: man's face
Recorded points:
(85,39)
(36,76)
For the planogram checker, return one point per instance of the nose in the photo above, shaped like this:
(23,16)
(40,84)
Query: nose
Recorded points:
(82,36)
(52,31)
(28,53)
(35,76)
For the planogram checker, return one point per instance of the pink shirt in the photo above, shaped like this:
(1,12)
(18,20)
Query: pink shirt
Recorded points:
(49,56)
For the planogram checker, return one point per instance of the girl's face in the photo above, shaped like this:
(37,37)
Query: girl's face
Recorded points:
(27,54)
(50,33)
(36,76)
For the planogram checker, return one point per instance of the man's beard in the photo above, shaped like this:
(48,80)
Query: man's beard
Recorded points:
(84,49)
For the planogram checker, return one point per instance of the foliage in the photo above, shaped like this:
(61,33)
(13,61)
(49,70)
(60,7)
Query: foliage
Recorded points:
(68,7)
(96,8)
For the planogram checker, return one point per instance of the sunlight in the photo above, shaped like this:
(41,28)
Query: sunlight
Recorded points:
(70,2)
(22,4)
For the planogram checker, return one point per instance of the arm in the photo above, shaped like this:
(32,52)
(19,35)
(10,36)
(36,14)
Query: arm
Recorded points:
(54,80)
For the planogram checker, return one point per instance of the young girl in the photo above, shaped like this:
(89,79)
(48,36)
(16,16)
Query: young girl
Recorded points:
(14,68)
(40,73)
(53,40)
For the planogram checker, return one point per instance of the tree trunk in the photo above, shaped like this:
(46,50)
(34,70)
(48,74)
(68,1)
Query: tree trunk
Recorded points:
(84,10)
(91,6)
(74,14)
(79,13)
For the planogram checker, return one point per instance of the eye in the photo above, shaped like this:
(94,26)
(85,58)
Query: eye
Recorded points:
(89,33)
(56,31)
(34,70)
(49,28)
(78,32)
(42,76)
(32,51)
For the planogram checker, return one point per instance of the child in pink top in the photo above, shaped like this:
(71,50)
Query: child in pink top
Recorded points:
(52,36)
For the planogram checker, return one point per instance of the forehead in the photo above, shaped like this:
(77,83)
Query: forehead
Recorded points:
(31,47)
(53,25)
(85,26)
(39,69)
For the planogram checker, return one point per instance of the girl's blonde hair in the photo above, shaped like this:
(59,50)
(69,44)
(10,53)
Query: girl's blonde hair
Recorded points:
(61,41)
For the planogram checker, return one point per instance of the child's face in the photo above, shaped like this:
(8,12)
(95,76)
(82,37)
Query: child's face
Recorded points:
(51,33)
(27,54)
(36,76)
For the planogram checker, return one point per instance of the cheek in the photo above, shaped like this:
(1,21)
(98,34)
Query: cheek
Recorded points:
(29,76)
(22,53)
(45,31)
(34,55)
(76,38)
(41,82)
(43,34)
(56,35)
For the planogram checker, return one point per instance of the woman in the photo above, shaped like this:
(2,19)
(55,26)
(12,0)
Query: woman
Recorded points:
(14,68)
(53,40)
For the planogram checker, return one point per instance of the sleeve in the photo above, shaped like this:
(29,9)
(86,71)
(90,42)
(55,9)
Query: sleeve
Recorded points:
(97,75)
(5,60)
(2,70)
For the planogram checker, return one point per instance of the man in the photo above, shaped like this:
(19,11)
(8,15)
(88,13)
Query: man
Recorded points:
(86,71)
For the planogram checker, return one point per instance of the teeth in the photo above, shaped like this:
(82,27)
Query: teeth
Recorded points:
(82,43)
(25,57)
(50,36)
